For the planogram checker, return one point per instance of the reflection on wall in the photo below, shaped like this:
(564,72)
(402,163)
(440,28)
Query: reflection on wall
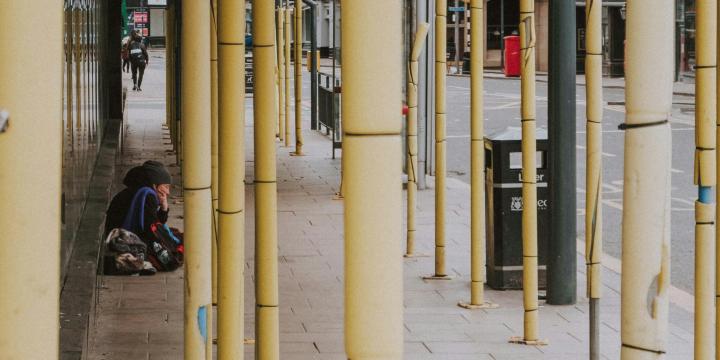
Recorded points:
(83,114)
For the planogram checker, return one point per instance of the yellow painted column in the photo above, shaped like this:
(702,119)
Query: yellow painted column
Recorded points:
(267,313)
(231,186)
(477,162)
(280,49)
(593,176)
(30,179)
(197,178)
(373,190)
(412,147)
(647,180)
(288,14)
(705,178)
(298,78)
(214,140)
(529,171)
(440,140)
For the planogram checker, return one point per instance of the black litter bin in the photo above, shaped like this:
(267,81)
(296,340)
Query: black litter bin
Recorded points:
(503,165)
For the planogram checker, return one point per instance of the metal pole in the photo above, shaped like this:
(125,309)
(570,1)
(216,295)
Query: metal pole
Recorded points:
(562,242)
(298,78)
(373,198)
(646,199)
(287,42)
(231,186)
(502,33)
(440,141)
(529,171)
(267,314)
(197,178)
(29,304)
(214,139)
(281,71)
(705,178)
(593,177)
(477,161)
(412,87)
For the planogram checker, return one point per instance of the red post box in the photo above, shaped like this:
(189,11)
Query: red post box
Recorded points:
(512,56)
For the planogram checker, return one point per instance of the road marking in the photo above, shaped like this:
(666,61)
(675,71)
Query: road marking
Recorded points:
(676,171)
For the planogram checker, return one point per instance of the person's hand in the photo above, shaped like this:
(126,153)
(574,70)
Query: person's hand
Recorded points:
(163,191)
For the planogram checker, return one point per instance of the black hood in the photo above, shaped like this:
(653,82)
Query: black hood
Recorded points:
(136,178)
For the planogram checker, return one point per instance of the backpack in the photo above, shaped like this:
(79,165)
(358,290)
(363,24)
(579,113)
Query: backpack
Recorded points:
(136,52)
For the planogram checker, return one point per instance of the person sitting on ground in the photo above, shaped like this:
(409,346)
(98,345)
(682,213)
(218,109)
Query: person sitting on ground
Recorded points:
(149,182)
(139,59)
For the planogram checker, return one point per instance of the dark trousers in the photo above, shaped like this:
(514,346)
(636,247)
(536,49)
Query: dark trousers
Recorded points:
(126,65)
(137,80)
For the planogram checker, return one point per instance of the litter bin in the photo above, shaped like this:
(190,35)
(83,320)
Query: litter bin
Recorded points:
(504,204)
(512,56)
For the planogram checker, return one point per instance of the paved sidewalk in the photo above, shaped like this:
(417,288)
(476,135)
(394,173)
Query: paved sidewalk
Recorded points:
(141,317)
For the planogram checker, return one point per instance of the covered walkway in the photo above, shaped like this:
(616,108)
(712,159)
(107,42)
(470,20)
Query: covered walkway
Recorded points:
(142,317)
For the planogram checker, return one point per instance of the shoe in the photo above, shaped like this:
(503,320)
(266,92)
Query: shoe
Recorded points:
(135,88)
(139,89)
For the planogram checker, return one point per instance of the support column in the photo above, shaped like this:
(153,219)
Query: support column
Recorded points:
(298,78)
(373,197)
(477,161)
(646,200)
(231,186)
(280,35)
(593,177)
(705,178)
(197,178)
(288,13)
(29,304)
(440,141)
(267,314)
(529,172)
(214,140)
(412,138)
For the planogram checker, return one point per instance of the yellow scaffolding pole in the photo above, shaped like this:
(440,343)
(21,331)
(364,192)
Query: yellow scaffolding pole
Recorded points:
(298,78)
(280,44)
(288,13)
(477,162)
(529,172)
(412,147)
(373,195)
(646,196)
(705,178)
(440,140)
(29,304)
(593,177)
(267,314)
(214,140)
(197,178)
(231,186)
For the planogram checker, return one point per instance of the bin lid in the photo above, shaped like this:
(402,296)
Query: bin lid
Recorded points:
(515,133)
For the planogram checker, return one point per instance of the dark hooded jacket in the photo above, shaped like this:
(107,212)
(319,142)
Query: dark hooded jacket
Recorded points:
(137,178)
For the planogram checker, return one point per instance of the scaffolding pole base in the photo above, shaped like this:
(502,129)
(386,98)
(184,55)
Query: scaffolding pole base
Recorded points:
(338,196)
(295,153)
(520,340)
(437,277)
(410,256)
(484,305)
